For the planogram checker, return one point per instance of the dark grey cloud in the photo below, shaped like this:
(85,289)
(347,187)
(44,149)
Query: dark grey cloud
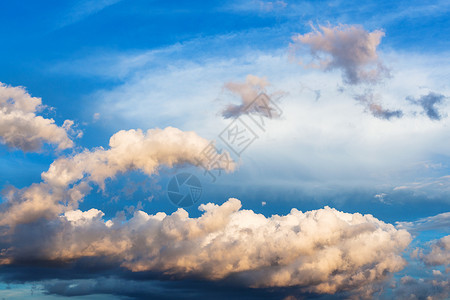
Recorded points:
(428,268)
(372,105)
(97,276)
(179,248)
(429,103)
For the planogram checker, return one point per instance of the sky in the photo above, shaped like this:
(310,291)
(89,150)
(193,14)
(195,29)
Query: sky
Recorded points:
(224,149)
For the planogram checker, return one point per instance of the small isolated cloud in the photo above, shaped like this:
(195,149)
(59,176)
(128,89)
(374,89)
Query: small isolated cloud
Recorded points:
(96,116)
(381,197)
(429,103)
(320,251)
(351,49)
(21,128)
(372,105)
(84,9)
(251,98)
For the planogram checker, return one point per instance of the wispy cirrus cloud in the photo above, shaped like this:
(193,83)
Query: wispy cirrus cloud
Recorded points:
(440,222)
(84,9)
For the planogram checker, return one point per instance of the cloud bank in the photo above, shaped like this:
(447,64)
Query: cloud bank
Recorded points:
(320,251)
(351,49)
(21,128)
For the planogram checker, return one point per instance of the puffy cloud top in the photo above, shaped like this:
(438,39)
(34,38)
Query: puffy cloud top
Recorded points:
(68,179)
(21,128)
(130,150)
(321,251)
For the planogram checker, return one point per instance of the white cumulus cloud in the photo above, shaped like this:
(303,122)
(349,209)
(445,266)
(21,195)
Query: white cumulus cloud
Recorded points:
(320,251)
(21,128)
(68,179)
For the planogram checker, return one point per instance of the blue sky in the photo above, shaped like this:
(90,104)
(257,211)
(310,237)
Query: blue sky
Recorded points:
(375,143)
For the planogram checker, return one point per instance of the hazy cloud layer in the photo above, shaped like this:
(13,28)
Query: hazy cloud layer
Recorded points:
(320,251)
(429,103)
(21,128)
(351,49)
(432,280)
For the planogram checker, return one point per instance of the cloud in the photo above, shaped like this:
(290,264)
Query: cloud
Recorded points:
(131,150)
(438,222)
(440,253)
(21,128)
(435,287)
(84,9)
(351,49)
(252,101)
(428,103)
(371,104)
(320,251)
(430,281)
(68,179)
